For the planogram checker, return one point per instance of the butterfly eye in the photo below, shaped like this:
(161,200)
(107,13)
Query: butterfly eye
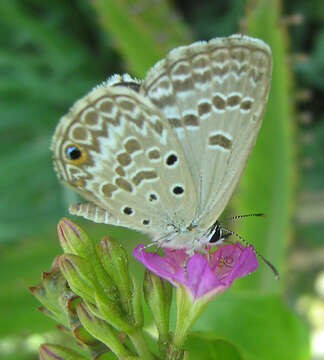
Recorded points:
(75,154)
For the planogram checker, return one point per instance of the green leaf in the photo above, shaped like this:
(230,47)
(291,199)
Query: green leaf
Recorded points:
(261,326)
(47,61)
(312,70)
(19,267)
(268,181)
(142,32)
(208,346)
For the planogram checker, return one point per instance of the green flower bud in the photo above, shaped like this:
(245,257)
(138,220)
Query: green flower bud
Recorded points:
(110,312)
(55,352)
(114,259)
(74,240)
(137,304)
(79,275)
(101,330)
(158,296)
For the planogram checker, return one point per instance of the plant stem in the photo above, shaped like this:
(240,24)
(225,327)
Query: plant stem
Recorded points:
(117,348)
(139,342)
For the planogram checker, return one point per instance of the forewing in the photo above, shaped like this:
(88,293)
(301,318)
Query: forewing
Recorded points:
(132,165)
(213,95)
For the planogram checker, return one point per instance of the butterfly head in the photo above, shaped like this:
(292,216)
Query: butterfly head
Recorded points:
(217,234)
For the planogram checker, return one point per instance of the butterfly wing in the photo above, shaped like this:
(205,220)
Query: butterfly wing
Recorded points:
(213,95)
(119,152)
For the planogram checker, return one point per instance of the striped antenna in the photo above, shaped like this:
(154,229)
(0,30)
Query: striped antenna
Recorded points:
(244,216)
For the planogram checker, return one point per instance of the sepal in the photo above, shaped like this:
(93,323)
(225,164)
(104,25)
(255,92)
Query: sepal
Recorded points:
(55,352)
(50,291)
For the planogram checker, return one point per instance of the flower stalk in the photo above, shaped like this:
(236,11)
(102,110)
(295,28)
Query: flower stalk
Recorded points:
(187,313)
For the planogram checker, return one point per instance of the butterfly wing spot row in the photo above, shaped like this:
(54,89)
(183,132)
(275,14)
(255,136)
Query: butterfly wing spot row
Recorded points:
(97,214)
(220,140)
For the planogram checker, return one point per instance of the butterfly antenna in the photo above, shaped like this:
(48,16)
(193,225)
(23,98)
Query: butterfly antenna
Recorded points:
(267,262)
(244,216)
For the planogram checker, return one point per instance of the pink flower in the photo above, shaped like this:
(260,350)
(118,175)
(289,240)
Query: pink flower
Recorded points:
(205,274)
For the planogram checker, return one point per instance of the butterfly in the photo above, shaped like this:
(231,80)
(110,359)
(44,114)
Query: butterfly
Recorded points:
(164,155)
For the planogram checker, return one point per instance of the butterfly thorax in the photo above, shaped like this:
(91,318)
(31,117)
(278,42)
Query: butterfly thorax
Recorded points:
(191,237)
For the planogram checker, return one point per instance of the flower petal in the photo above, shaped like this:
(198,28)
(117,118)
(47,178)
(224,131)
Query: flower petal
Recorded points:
(165,267)
(200,278)
(203,274)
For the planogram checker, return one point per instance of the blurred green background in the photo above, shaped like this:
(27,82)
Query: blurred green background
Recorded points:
(52,53)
